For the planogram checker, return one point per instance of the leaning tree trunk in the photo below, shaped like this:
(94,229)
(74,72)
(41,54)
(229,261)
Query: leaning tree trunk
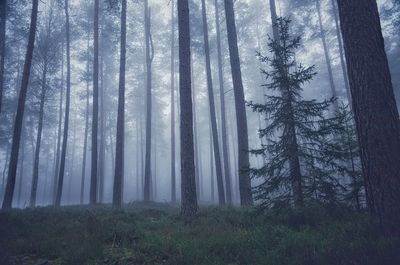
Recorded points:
(95,114)
(66,118)
(12,169)
(149,59)
(214,129)
(35,175)
(119,153)
(57,165)
(188,183)
(246,198)
(224,138)
(173,170)
(327,57)
(3,17)
(376,115)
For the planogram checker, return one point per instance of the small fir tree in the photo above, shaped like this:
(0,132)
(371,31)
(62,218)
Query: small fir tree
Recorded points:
(294,170)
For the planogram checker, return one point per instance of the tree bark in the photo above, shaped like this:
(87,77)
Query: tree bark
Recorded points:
(223,109)
(246,198)
(35,174)
(188,183)
(67,107)
(149,59)
(3,17)
(119,153)
(95,115)
(85,140)
(173,156)
(57,166)
(376,115)
(12,169)
(214,129)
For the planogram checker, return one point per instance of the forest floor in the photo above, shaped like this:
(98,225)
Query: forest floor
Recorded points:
(156,234)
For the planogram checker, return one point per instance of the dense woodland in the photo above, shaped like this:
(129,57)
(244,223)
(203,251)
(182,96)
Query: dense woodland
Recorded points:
(162,109)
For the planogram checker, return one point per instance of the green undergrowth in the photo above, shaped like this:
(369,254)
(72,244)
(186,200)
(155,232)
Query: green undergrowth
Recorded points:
(156,234)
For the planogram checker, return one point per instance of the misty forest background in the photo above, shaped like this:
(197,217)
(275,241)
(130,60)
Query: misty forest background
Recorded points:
(163,107)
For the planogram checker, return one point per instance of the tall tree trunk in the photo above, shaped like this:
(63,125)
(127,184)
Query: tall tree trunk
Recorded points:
(3,17)
(195,134)
(71,162)
(35,175)
(12,169)
(274,19)
(173,156)
(223,110)
(21,168)
(85,140)
(212,180)
(66,118)
(188,183)
(102,145)
(119,153)
(327,57)
(341,51)
(376,114)
(95,115)
(149,59)
(246,198)
(57,166)
(214,129)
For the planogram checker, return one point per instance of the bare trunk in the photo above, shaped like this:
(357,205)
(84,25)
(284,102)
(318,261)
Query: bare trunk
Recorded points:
(85,140)
(173,156)
(66,119)
(149,59)
(376,114)
(35,174)
(95,115)
(213,118)
(3,17)
(119,153)
(57,166)
(21,169)
(223,110)
(246,198)
(188,183)
(12,169)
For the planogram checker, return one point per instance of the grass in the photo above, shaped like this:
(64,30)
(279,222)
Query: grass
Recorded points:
(155,234)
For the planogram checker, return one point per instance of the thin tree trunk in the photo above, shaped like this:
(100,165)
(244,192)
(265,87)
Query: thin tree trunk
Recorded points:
(149,58)
(213,118)
(3,17)
(223,110)
(173,156)
(327,57)
(21,168)
(102,145)
(35,175)
(274,19)
(195,135)
(374,105)
(246,198)
(212,161)
(67,107)
(188,183)
(119,153)
(85,140)
(57,166)
(95,115)
(341,52)
(9,192)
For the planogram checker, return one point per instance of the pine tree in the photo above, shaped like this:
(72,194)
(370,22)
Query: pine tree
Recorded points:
(296,130)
